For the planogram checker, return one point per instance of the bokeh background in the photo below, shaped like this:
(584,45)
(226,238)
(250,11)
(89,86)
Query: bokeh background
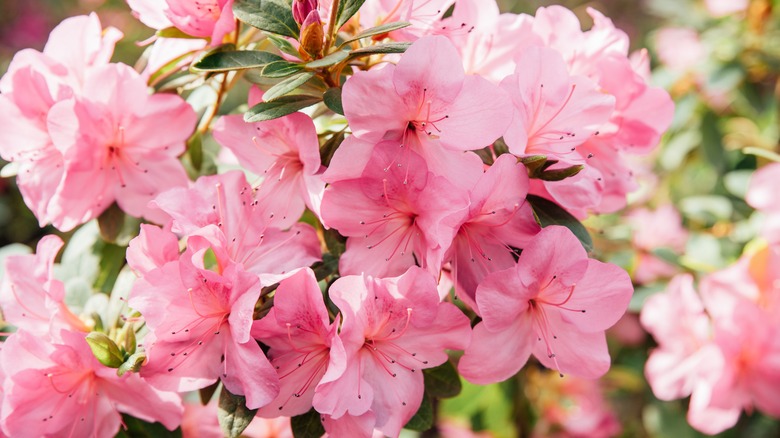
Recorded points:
(720,61)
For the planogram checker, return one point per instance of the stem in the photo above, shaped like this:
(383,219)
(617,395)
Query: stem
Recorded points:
(215,108)
(334,12)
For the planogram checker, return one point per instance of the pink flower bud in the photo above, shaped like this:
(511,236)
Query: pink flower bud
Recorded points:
(302,8)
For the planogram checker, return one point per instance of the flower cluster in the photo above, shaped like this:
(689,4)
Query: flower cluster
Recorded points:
(366,241)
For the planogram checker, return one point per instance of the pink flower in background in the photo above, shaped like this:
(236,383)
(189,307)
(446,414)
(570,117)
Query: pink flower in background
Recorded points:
(223,208)
(393,329)
(201,421)
(200,18)
(200,321)
(423,16)
(108,152)
(555,303)
(721,8)
(395,215)
(31,298)
(498,221)
(304,345)
(285,152)
(648,236)
(763,196)
(679,48)
(62,390)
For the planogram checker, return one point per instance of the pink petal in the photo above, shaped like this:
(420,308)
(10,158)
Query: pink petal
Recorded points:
(496,356)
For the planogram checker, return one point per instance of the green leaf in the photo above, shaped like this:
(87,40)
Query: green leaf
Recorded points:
(130,342)
(347,8)
(379,30)
(442,381)
(712,142)
(132,364)
(195,150)
(280,69)
(560,174)
(668,255)
(329,148)
(110,222)
(333,58)
(235,60)
(173,32)
(327,267)
(279,107)
(550,213)
(112,259)
(135,428)
(332,99)
(207,393)
(287,86)
(307,425)
(534,163)
(423,419)
(379,49)
(335,242)
(233,414)
(284,45)
(273,16)
(105,350)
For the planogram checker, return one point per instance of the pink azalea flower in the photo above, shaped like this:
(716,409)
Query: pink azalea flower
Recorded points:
(62,390)
(395,214)
(763,196)
(556,303)
(682,329)
(304,345)
(423,16)
(286,153)
(201,421)
(223,208)
(393,328)
(205,336)
(31,298)
(200,18)
(499,220)
(108,151)
(679,48)
(647,236)
(432,113)
(721,8)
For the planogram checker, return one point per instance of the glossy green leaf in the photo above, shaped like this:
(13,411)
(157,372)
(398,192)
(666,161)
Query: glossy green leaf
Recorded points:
(423,418)
(442,381)
(332,99)
(233,414)
(379,30)
(273,16)
(280,69)
(235,60)
(348,8)
(332,59)
(132,364)
(560,174)
(279,107)
(287,86)
(284,45)
(550,213)
(307,425)
(380,49)
(105,350)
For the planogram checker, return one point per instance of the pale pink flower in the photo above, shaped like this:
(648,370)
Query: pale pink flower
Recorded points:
(395,215)
(499,221)
(286,153)
(556,303)
(647,236)
(392,330)
(200,321)
(108,148)
(679,48)
(721,8)
(200,18)
(31,298)
(224,209)
(304,345)
(423,16)
(62,390)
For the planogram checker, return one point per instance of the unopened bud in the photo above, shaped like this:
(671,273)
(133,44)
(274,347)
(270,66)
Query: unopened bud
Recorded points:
(105,350)
(302,8)
(312,36)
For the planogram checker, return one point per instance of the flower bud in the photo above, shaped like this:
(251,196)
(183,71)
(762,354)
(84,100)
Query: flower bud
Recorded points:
(302,8)
(312,36)
(105,350)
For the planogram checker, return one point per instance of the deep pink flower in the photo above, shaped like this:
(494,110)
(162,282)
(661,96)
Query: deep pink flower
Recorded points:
(200,321)
(62,390)
(393,328)
(224,209)
(395,215)
(556,303)
(286,153)
(304,345)
(499,220)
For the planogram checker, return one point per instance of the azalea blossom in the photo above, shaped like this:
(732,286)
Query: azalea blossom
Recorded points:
(555,303)
(199,18)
